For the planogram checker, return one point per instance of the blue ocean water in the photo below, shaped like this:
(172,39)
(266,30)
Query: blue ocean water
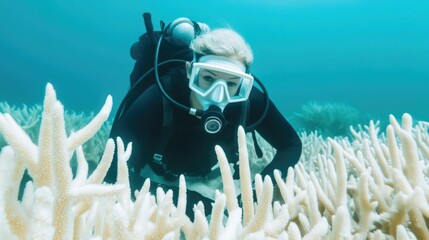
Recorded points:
(369,54)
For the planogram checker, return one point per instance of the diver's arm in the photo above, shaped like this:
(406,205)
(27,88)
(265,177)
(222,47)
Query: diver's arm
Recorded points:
(280,134)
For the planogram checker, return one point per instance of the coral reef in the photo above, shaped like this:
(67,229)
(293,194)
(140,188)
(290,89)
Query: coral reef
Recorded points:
(329,119)
(374,186)
(29,117)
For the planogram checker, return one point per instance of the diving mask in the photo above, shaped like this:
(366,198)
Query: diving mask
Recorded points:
(218,80)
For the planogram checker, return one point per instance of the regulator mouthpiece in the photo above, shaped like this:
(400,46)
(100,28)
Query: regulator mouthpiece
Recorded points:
(213,120)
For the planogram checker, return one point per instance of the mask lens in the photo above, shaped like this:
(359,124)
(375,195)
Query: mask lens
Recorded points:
(206,79)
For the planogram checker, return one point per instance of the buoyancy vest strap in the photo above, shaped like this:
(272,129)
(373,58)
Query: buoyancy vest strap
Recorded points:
(166,133)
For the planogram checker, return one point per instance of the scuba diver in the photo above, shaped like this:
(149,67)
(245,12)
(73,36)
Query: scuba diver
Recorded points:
(190,90)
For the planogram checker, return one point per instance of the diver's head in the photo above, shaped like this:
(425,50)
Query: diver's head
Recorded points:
(217,80)
(219,73)
(223,42)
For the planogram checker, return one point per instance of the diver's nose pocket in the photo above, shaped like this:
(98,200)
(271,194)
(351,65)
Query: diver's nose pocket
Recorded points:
(218,94)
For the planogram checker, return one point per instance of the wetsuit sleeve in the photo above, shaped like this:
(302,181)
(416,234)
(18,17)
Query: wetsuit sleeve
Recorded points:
(276,130)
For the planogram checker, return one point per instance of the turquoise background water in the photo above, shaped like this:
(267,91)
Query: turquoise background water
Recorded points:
(369,54)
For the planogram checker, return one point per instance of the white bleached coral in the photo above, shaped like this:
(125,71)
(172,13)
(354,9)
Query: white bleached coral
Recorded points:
(29,118)
(372,187)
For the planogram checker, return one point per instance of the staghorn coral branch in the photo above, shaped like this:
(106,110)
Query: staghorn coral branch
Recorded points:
(379,195)
(378,152)
(375,169)
(123,175)
(356,134)
(413,169)
(84,134)
(407,123)
(341,189)
(332,186)
(103,166)
(322,196)
(285,188)
(422,145)
(393,149)
(322,170)
(358,165)
(82,167)
(45,141)
(181,201)
(313,207)
(141,204)
(245,179)
(14,213)
(12,226)
(228,182)
(62,176)
(365,205)
(304,222)
(258,186)
(16,137)
(264,206)
(301,179)
(216,226)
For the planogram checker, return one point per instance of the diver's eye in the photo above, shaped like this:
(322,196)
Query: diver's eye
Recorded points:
(209,79)
(232,84)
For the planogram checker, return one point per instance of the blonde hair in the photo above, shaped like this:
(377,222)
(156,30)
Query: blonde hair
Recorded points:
(223,42)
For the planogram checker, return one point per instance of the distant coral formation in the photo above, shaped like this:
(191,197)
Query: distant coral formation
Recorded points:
(374,186)
(328,119)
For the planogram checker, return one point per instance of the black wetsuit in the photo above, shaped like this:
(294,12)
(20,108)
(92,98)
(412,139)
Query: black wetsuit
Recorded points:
(190,149)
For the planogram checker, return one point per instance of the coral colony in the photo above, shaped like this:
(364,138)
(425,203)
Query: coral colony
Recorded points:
(374,186)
